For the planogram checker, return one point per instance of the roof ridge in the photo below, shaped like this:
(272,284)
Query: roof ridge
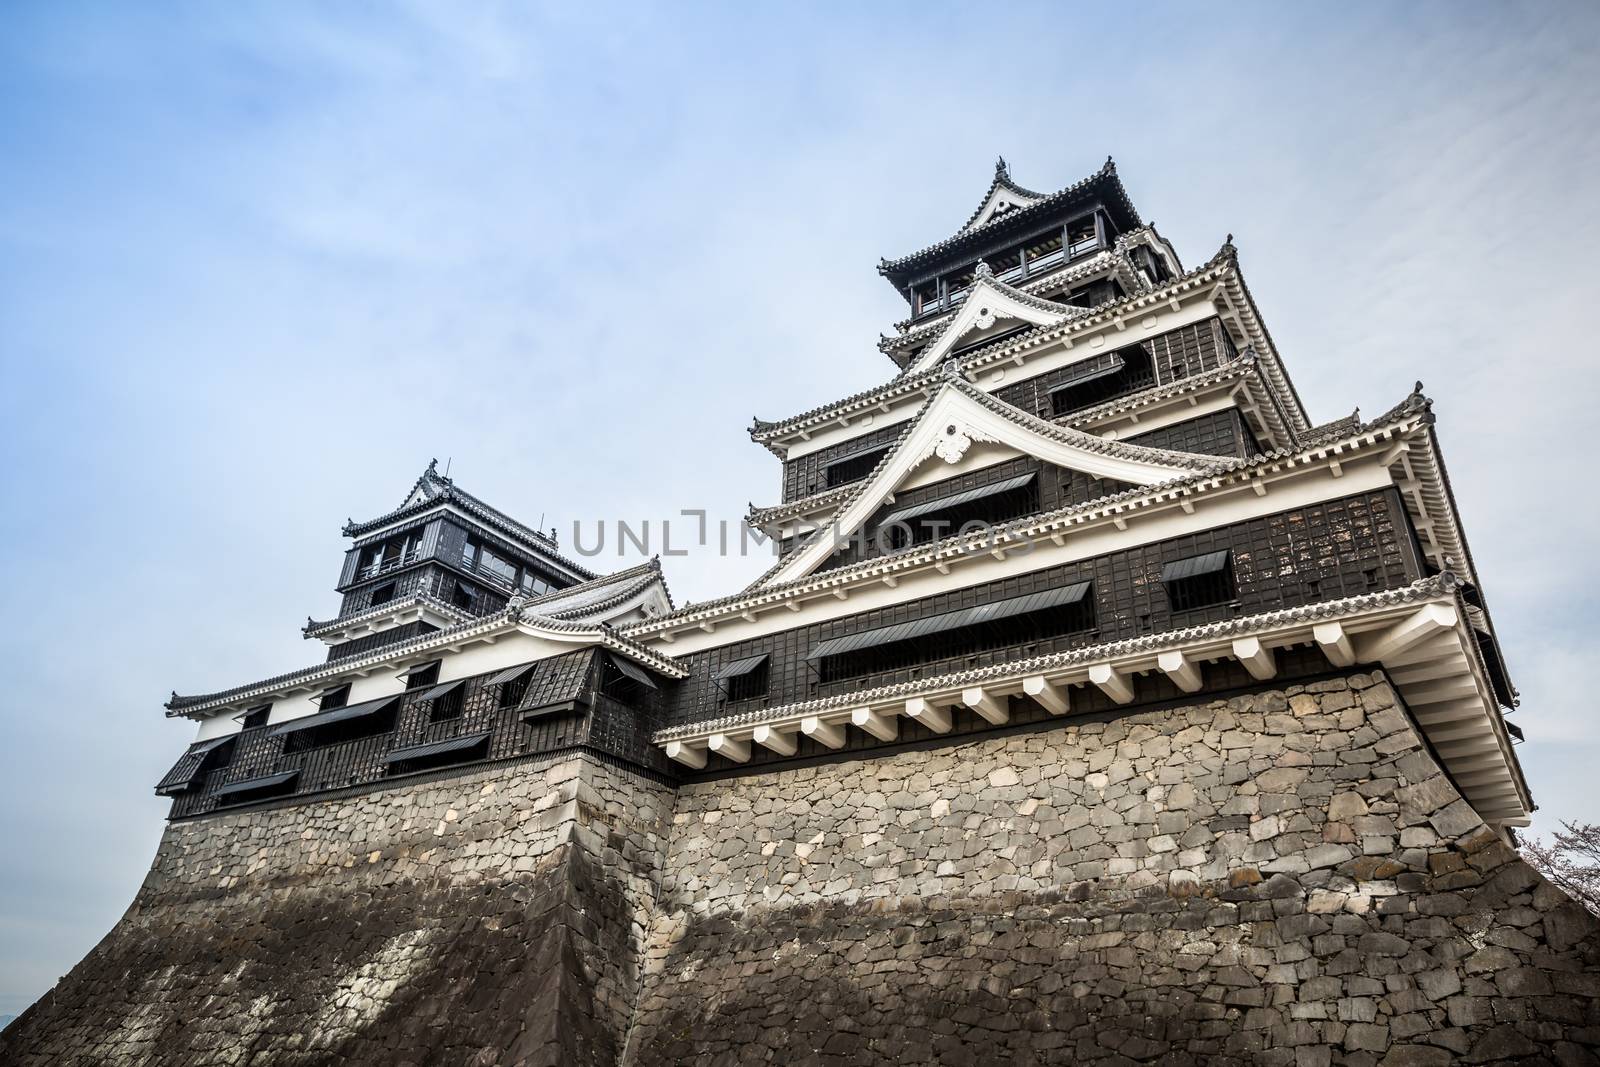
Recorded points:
(1242,467)
(906,380)
(1107,170)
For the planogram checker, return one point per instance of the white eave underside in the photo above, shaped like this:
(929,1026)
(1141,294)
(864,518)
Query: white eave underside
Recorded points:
(1419,635)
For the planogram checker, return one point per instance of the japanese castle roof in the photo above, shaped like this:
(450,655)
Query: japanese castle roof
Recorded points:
(433,490)
(1223,267)
(577,614)
(1410,420)
(1027,206)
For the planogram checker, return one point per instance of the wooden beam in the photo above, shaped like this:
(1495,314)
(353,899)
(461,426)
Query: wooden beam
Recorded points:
(1461,687)
(983,702)
(1183,671)
(783,742)
(1049,696)
(824,733)
(689,757)
(883,727)
(934,718)
(1255,658)
(728,748)
(1409,632)
(1335,643)
(1112,682)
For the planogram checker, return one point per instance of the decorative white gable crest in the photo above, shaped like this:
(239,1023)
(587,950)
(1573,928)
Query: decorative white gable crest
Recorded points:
(954,419)
(1004,195)
(990,302)
(953,444)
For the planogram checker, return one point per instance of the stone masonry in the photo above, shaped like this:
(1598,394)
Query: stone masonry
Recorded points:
(493,917)
(1284,877)
(1277,877)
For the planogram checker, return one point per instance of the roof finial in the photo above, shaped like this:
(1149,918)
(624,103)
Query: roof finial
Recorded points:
(1000,168)
(1111,165)
(433,465)
(982,270)
(952,368)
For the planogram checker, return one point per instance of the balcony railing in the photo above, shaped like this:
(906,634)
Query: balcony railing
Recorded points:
(372,570)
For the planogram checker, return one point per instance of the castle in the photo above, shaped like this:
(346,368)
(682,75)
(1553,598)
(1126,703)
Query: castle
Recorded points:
(1099,707)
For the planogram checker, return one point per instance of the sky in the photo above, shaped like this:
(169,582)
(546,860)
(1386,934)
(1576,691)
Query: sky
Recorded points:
(259,262)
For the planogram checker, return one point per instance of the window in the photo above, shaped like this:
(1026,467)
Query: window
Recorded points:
(944,516)
(422,676)
(394,552)
(512,692)
(1007,265)
(1127,370)
(448,706)
(854,466)
(748,686)
(744,679)
(1199,581)
(1018,622)
(959,283)
(532,583)
(1082,236)
(350,723)
(496,567)
(462,595)
(255,717)
(382,594)
(1043,252)
(334,698)
(469,552)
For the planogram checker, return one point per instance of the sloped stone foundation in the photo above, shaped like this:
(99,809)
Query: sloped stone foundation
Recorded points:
(1283,877)
(1279,877)
(491,918)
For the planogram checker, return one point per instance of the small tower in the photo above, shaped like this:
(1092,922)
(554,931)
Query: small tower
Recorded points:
(443,556)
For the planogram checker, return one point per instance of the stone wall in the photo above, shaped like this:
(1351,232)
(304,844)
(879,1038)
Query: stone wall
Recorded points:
(495,917)
(1278,878)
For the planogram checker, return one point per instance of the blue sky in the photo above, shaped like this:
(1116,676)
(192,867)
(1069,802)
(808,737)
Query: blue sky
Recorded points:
(260,262)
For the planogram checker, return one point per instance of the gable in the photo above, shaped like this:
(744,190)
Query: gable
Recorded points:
(1003,197)
(954,420)
(992,308)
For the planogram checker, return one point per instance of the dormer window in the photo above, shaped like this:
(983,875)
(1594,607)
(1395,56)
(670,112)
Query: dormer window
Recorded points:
(1199,581)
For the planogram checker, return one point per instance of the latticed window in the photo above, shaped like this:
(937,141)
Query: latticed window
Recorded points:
(744,679)
(853,466)
(1016,622)
(423,676)
(448,706)
(1199,581)
(1128,371)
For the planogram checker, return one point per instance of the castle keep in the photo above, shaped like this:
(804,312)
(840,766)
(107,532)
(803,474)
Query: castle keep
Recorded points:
(1099,707)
